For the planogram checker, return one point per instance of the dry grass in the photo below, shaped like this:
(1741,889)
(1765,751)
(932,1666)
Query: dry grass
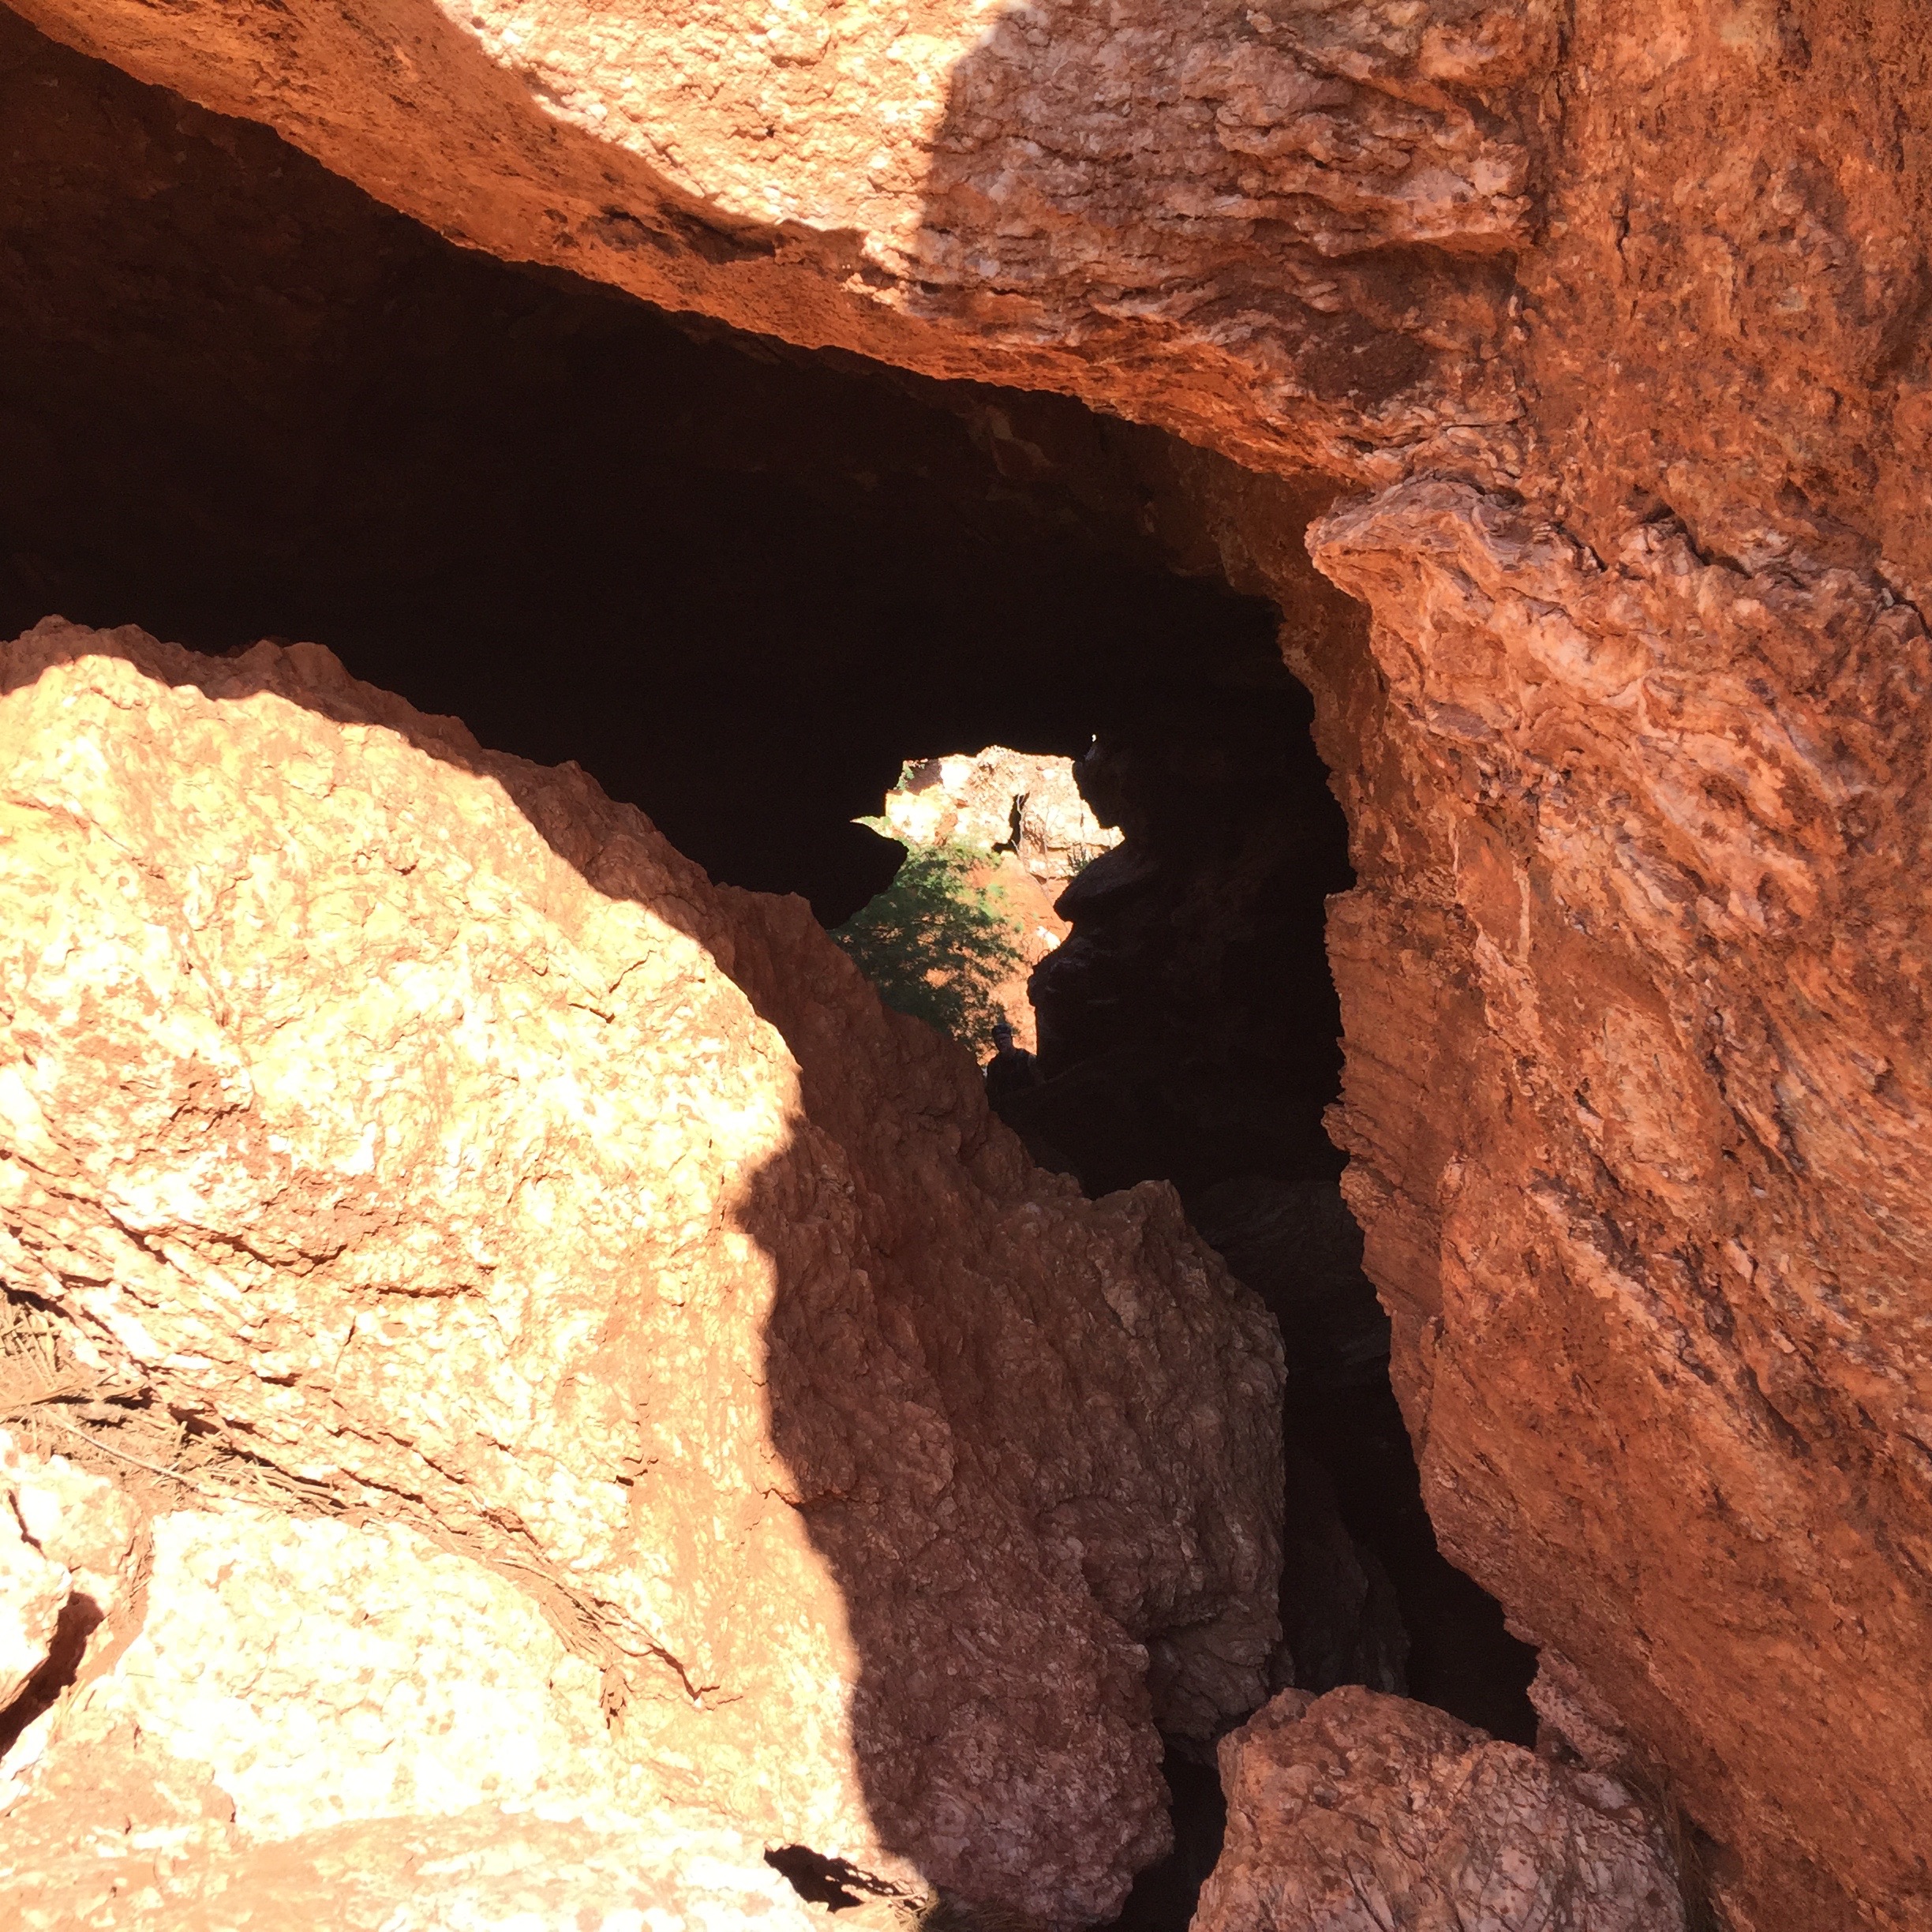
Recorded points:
(1688,1848)
(53,1405)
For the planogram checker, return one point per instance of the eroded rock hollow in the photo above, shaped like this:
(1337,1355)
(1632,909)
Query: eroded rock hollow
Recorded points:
(1559,373)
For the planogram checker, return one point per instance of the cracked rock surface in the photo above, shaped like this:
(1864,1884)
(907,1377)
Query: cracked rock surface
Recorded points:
(1357,1811)
(33,1593)
(1610,321)
(573,1266)
(303,1720)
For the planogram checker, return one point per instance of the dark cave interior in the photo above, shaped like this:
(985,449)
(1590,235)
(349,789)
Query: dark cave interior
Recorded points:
(740,584)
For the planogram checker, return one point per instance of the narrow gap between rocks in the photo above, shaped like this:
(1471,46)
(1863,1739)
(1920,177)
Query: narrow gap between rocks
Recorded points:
(741,584)
(78,1619)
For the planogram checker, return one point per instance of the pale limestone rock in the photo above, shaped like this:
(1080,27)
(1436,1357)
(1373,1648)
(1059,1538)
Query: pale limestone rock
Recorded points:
(67,1548)
(486,1871)
(84,1522)
(1026,802)
(344,1724)
(325,1673)
(89,1538)
(456,1156)
(1358,1812)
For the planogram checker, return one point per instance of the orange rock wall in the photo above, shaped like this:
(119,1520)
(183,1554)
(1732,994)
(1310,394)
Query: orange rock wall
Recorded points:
(1636,1142)
(1635,1097)
(456,1159)
(1620,312)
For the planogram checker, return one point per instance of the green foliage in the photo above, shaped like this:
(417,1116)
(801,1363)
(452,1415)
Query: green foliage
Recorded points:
(935,944)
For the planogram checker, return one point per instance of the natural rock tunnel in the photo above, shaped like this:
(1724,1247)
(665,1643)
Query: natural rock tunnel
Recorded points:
(738,584)
(1623,705)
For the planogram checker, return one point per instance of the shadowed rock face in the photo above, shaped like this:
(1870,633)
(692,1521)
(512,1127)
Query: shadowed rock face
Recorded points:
(1354,1810)
(454,1157)
(1189,1030)
(1618,312)
(328,423)
(1288,235)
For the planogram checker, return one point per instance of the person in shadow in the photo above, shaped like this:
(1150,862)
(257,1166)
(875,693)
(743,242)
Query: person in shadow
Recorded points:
(1011,1071)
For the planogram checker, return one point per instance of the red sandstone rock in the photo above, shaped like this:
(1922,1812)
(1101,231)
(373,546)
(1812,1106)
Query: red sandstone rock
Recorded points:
(1621,307)
(1037,930)
(1184,215)
(588,1245)
(1635,1146)
(1357,1812)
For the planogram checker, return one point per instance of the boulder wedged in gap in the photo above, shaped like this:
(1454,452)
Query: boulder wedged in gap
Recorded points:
(1357,1810)
(440,1154)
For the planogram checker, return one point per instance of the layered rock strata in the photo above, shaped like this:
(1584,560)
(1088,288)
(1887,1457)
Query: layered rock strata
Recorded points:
(1636,1140)
(1620,310)
(1287,232)
(513,1221)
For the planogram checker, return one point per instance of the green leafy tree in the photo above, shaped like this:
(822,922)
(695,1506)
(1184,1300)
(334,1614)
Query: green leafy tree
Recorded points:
(936,945)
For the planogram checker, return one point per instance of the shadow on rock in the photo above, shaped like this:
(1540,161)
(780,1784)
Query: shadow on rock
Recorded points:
(601,1223)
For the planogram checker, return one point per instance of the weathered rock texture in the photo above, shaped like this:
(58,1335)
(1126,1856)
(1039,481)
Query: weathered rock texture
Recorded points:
(1288,235)
(33,1593)
(1036,928)
(1671,1006)
(1355,1812)
(1634,1094)
(458,1163)
(293,1719)
(1620,309)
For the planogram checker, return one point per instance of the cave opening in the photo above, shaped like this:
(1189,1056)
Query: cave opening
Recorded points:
(741,584)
